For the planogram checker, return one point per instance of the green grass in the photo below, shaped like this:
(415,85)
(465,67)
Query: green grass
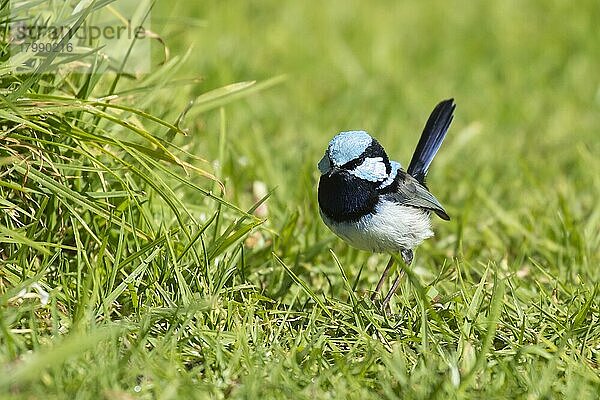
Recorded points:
(171,273)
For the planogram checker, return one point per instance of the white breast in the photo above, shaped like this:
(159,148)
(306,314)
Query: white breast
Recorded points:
(392,227)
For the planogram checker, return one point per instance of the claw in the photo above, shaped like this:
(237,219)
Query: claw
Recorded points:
(407,256)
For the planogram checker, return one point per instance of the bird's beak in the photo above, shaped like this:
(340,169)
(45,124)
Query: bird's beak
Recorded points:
(324,165)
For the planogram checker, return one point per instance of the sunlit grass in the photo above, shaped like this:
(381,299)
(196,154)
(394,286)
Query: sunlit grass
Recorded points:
(159,235)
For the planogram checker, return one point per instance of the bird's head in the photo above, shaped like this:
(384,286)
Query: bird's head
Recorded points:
(358,154)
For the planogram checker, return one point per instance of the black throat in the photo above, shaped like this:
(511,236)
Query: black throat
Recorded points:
(345,198)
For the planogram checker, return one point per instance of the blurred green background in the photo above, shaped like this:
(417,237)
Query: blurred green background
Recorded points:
(503,301)
(524,76)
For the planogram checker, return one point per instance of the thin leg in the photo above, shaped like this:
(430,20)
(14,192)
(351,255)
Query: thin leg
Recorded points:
(407,256)
(393,289)
(386,271)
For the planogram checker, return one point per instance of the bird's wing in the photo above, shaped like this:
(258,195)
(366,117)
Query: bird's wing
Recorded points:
(407,191)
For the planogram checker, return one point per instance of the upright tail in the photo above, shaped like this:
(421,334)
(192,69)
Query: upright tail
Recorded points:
(431,139)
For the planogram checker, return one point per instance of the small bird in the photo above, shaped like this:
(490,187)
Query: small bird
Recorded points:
(373,203)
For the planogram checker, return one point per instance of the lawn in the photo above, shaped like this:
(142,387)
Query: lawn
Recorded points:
(160,235)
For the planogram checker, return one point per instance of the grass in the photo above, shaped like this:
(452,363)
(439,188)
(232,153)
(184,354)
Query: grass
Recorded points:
(160,238)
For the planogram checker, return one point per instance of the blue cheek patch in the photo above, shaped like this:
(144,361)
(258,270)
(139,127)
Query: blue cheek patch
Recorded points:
(346,146)
(395,167)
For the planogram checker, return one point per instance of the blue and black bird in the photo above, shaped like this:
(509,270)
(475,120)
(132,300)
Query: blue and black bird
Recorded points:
(373,203)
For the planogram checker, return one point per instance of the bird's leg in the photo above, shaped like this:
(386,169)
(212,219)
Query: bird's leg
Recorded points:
(407,257)
(386,271)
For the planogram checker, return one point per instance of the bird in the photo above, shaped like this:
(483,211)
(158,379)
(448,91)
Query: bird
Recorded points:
(371,202)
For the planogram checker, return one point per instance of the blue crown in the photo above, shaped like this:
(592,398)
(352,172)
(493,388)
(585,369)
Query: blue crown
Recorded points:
(347,146)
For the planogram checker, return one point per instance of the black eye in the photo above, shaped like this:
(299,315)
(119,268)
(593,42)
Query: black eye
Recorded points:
(350,165)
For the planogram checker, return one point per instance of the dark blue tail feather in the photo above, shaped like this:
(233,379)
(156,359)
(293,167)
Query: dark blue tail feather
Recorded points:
(431,139)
